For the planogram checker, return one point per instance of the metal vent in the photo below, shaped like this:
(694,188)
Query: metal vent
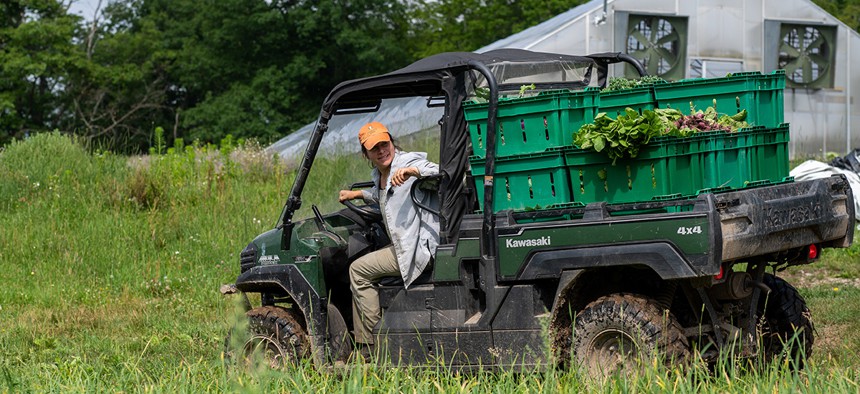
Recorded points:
(806,51)
(659,42)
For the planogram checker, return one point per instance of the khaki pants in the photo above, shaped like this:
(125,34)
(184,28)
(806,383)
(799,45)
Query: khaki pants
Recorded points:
(365,298)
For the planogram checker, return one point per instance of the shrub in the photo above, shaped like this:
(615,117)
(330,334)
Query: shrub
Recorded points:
(43,162)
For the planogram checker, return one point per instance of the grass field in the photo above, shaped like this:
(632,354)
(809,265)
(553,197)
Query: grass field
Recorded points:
(110,268)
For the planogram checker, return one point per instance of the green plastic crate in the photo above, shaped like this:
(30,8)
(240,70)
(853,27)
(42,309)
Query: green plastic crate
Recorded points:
(657,171)
(761,95)
(681,167)
(750,155)
(532,124)
(524,182)
(772,155)
(615,102)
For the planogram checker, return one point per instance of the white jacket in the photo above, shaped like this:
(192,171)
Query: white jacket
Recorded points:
(414,232)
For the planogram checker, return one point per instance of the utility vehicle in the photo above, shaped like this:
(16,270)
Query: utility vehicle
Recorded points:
(603,283)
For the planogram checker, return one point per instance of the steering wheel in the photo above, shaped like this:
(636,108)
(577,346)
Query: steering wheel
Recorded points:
(321,226)
(369,213)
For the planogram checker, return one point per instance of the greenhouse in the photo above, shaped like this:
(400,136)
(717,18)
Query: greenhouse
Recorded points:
(680,40)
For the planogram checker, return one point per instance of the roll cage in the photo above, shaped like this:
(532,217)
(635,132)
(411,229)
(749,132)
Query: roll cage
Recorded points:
(452,77)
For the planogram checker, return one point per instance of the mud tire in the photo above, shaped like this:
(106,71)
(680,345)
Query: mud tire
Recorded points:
(278,334)
(621,333)
(786,327)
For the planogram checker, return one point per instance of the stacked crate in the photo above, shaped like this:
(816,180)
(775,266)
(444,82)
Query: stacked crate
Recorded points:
(537,166)
(529,169)
(681,167)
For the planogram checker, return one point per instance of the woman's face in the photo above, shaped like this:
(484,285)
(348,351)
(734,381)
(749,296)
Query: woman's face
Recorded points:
(381,155)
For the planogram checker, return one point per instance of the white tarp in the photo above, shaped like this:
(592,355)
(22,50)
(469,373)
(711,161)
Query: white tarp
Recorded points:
(812,169)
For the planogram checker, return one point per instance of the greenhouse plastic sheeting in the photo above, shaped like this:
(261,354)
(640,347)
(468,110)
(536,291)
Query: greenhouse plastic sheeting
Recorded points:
(403,117)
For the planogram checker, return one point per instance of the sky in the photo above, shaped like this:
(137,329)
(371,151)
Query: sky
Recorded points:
(85,8)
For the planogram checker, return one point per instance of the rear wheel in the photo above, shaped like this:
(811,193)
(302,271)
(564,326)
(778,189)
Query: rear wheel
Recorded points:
(786,329)
(621,333)
(276,336)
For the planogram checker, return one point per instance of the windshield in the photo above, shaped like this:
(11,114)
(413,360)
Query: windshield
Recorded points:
(513,76)
(339,163)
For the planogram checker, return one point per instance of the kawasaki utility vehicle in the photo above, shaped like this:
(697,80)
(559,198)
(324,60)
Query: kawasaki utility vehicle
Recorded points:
(602,283)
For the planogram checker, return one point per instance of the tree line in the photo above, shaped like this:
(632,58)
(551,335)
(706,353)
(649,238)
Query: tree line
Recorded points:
(205,69)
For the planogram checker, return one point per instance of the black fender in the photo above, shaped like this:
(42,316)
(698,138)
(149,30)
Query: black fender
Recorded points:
(661,257)
(288,279)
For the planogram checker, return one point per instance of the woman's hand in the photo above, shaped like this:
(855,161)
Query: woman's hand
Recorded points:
(346,195)
(401,175)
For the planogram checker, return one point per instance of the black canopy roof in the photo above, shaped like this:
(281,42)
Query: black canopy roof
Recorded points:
(423,77)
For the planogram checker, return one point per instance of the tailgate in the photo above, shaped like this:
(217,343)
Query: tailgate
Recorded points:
(771,219)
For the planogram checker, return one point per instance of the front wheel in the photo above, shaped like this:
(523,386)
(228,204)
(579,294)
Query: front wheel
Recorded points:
(276,335)
(622,333)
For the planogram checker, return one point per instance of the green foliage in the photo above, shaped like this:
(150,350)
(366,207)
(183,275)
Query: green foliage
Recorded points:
(622,136)
(196,174)
(525,88)
(628,83)
(734,122)
(847,11)
(158,145)
(261,69)
(253,69)
(626,134)
(41,166)
(458,25)
(39,57)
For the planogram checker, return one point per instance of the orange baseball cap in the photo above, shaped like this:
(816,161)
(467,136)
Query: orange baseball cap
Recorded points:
(373,133)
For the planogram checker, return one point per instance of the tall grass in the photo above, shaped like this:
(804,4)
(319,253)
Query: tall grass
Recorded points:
(110,265)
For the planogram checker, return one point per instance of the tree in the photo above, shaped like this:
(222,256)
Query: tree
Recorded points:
(207,68)
(122,93)
(261,68)
(59,72)
(38,58)
(466,25)
(203,69)
(848,11)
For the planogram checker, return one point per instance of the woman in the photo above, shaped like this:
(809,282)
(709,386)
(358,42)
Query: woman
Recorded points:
(414,232)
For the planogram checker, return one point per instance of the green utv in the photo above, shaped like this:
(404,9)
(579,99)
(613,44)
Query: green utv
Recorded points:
(604,283)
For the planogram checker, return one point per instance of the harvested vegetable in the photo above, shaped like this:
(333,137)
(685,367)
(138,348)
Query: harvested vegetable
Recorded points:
(624,135)
(628,83)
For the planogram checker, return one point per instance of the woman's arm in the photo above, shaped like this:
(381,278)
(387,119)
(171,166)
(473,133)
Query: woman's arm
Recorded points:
(418,166)
(346,195)
(425,167)
(402,174)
